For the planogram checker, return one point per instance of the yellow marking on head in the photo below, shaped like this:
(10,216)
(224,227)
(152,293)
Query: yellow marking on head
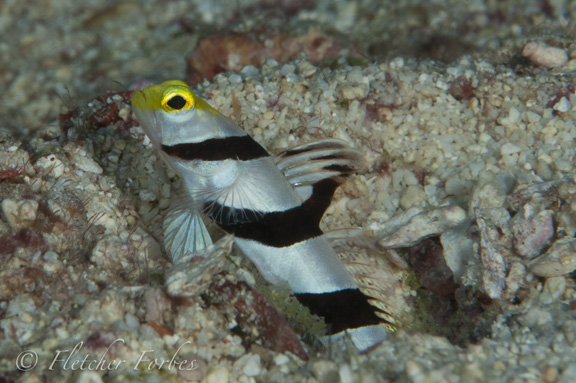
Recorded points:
(171,96)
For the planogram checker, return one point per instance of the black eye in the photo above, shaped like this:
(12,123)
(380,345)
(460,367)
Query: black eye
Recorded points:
(177,102)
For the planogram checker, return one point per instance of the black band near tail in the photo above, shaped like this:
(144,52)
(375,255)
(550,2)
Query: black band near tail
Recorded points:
(342,310)
(277,229)
(242,148)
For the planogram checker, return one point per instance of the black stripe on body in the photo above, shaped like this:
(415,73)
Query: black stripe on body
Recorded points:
(242,148)
(277,229)
(341,310)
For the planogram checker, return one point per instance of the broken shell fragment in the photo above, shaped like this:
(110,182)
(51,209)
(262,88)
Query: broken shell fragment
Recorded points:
(559,260)
(524,194)
(424,225)
(458,251)
(492,253)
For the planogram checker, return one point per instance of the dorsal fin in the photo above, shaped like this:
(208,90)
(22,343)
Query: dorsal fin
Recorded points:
(307,164)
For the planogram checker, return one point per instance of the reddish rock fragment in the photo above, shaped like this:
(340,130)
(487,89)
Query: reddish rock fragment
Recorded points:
(162,331)
(230,52)
(100,340)
(11,172)
(25,238)
(102,112)
(107,113)
(105,116)
(318,47)
(254,309)
(461,89)
(224,52)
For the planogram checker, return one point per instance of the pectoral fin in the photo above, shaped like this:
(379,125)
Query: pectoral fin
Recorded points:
(184,232)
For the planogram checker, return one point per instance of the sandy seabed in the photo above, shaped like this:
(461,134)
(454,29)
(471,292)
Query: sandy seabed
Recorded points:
(438,97)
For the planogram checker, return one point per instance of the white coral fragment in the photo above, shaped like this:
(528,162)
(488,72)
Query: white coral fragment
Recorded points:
(542,54)
(458,249)
(19,214)
(524,194)
(51,164)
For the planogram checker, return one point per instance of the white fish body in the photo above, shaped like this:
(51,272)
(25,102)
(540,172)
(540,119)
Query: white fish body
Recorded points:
(272,209)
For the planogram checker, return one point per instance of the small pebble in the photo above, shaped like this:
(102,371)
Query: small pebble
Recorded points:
(219,374)
(281,359)
(87,164)
(533,233)
(553,290)
(346,374)
(325,370)
(249,71)
(234,78)
(287,69)
(563,105)
(559,260)
(509,148)
(306,69)
(193,368)
(568,374)
(354,91)
(89,377)
(250,364)
(412,196)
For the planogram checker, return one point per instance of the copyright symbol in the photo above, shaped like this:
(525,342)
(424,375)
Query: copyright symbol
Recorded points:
(26,360)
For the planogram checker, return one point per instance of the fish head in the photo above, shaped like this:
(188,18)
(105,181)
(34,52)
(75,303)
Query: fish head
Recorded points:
(170,113)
